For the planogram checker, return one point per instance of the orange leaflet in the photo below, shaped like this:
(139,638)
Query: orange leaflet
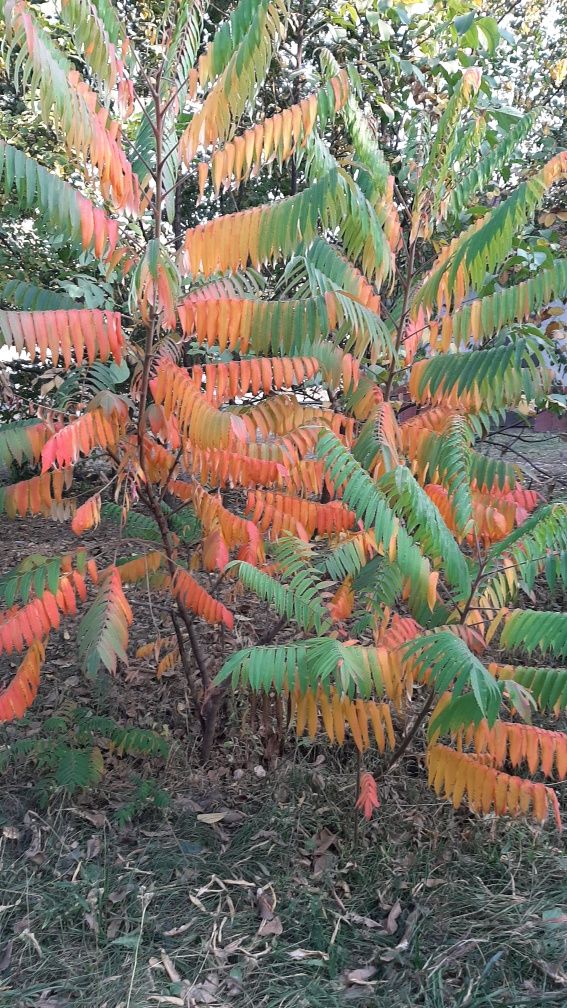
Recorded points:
(342,602)
(21,627)
(456,774)
(22,691)
(273,510)
(37,495)
(215,551)
(87,516)
(223,382)
(95,429)
(84,332)
(205,426)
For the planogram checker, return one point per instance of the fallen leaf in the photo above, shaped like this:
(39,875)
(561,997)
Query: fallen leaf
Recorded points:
(210,818)
(93,848)
(307,954)
(11,833)
(367,922)
(360,976)
(201,993)
(264,904)
(34,851)
(273,926)
(197,902)
(324,840)
(392,919)
(172,973)
(113,928)
(173,932)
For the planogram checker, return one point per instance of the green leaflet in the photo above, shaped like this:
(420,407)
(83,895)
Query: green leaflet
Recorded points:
(232,32)
(245,70)
(113,26)
(298,601)
(292,326)
(483,248)
(94,36)
(33,298)
(489,473)
(548,686)
(433,175)
(103,630)
(448,664)
(511,304)
(478,176)
(539,544)
(425,525)
(36,573)
(447,458)
(343,560)
(373,177)
(19,441)
(368,501)
(499,376)
(359,225)
(136,526)
(459,713)
(530,630)
(77,768)
(181,55)
(56,200)
(319,661)
(139,526)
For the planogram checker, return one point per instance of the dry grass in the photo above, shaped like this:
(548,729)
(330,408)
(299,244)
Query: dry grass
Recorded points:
(166,911)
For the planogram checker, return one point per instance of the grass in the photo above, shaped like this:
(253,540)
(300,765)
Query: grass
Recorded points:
(166,910)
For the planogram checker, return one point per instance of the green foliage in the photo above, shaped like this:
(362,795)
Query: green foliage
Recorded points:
(449,664)
(140,526)
(146,796)
(30,297)
(35,574)
(498,377)
(17,441)
(530,630)
(35,188)
(482,248)
(68,753)
(320,660)
(136,526)
(538,544)
(87,381)
(479,176)
(548,686)
(298,601)
(425,525)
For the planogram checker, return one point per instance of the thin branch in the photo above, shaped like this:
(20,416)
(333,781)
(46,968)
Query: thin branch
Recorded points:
(412,731)
(186,667)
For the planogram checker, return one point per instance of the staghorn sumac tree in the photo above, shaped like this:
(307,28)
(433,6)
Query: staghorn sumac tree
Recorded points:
(299,392)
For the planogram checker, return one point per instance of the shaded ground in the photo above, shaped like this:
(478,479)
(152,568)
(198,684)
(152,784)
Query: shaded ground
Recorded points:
(433,908)
(250,889)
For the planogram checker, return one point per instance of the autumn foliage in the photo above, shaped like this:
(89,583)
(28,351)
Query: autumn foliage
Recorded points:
(317,441)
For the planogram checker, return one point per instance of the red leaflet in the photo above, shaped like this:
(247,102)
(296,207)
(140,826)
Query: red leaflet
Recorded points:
(215,551)
(195,598)
(368,799)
